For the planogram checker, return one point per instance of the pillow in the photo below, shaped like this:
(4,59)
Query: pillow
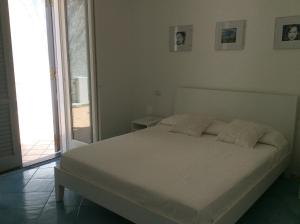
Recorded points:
(242,133)
(174,119)
(215,127)
(274,138)
(193,125)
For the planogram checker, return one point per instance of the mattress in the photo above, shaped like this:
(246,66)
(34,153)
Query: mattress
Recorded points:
(186,179)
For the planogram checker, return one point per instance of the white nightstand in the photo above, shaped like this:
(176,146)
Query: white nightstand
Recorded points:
(144,122)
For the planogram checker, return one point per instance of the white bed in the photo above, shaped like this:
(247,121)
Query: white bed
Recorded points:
(154,176)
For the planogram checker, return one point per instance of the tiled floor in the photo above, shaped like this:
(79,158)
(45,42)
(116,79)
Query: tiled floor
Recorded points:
(27,196)
(37,150)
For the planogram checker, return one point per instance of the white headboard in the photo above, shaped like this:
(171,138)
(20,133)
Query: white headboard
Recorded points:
(278,111)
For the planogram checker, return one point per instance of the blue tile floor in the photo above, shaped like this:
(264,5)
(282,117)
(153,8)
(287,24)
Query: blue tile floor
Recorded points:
(27,196)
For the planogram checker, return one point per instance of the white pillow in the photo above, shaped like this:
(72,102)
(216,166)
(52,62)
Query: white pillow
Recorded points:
(174,119)
(242,133)
(193,125)
(274,138)
(215,127)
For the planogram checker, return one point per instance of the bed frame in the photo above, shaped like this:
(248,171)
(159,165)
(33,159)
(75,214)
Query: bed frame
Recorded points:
(278,111)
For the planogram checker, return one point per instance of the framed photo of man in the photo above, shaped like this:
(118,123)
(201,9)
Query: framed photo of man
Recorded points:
(181,38)
(287,33)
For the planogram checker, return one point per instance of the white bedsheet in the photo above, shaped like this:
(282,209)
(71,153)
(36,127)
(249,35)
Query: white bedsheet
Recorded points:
(187,179)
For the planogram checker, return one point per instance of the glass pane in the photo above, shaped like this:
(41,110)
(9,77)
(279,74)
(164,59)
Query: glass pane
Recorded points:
(78,51)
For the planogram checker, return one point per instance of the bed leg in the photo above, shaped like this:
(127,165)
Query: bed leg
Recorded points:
(59,192)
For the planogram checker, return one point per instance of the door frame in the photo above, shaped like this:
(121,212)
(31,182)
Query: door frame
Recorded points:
(14,160)
(61,12)
(60,77)
(93,71)
(53,61)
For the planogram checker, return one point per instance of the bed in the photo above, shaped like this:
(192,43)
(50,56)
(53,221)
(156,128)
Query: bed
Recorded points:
(155,176)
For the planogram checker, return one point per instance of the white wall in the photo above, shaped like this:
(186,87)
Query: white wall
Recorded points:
(257,68)
(115,57)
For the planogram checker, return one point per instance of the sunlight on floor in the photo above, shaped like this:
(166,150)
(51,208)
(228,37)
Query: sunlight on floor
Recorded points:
(38,150)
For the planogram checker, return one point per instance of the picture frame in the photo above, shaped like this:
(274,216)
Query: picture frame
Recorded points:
(230,35)
(287,32)
(181,38)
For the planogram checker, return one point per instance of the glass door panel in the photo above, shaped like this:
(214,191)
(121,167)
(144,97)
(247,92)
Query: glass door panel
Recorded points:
(79,69)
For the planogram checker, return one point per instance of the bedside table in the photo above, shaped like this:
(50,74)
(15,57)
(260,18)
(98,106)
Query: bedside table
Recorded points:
(144,122)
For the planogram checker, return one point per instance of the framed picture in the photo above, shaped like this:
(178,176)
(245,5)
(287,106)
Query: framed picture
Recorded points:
(181,38)
(230,35)
(287,32)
